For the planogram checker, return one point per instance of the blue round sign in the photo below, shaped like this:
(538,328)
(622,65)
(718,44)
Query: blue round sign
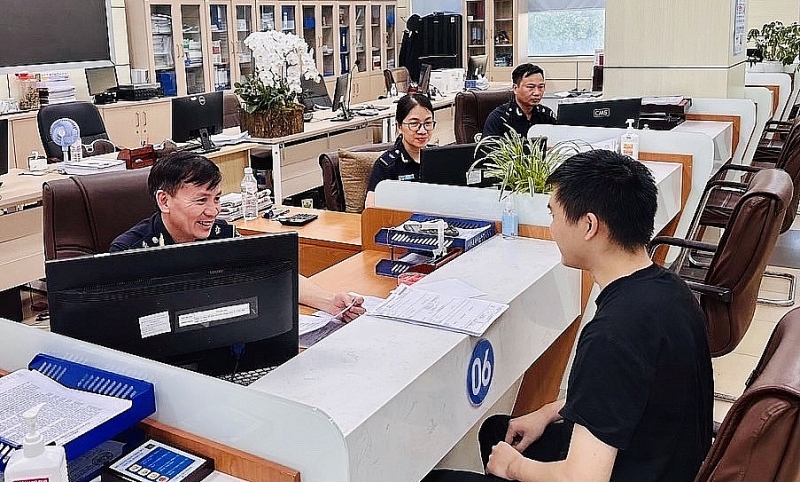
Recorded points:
(480,371)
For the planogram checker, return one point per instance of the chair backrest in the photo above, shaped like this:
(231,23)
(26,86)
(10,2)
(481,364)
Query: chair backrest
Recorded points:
(399,76)
(760,436)
(332,178)
(472,109)
(84,113)
(83,214)
(230,110)
(789,161)
(741,257)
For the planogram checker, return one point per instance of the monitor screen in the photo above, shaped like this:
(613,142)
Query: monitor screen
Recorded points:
(315,94)
(600,113)
(101,79)
(341,96)
(424,78)
(476,66)
(450,165)
(197,116)
(191,305)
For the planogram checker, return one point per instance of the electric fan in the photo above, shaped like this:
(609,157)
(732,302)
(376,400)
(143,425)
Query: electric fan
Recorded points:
(65,132)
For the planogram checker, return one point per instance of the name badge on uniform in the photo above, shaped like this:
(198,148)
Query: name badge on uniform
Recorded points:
(406,177)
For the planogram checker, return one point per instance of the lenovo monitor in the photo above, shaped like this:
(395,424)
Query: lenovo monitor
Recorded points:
(600,113)
(424,79)
(341,98)
(476,66)
(197,116)
(216,307)
(101,79)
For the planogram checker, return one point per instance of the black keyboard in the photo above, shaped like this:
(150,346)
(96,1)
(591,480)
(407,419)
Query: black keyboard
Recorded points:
(248,377)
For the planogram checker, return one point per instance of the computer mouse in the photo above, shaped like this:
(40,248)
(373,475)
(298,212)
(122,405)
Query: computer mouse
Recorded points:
(381,97)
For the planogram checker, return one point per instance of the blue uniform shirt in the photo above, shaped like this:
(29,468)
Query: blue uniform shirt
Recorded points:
(511,114)
(396,164)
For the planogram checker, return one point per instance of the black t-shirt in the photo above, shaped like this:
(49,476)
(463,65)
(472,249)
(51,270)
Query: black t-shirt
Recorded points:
(642,380)
(151,232)
(395,164)
(511,114)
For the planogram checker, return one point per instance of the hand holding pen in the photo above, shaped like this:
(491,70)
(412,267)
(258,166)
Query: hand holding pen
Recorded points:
(350,306)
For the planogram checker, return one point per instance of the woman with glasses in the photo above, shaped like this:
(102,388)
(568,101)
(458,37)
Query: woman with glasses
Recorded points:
(415,124)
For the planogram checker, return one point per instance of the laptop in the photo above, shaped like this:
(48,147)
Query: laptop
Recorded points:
(600,113)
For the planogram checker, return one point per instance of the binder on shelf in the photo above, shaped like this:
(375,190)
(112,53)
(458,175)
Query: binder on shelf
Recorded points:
(94,380)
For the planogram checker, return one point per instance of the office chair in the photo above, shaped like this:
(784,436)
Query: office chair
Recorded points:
(718,200)
(399,77)
(84,113)
(728,286)
(472,107)
(760,436)
(80,220)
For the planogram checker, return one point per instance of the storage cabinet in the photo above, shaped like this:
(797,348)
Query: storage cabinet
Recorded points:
(23,131)
(491,29)
(132,124)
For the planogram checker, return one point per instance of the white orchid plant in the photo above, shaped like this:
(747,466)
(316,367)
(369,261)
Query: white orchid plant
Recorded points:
(281,59)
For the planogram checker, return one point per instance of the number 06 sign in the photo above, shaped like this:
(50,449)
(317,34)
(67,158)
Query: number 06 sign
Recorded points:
(480,371)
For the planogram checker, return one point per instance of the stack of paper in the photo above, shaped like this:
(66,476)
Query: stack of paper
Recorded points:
(229,139)
(94,165)
(231,205)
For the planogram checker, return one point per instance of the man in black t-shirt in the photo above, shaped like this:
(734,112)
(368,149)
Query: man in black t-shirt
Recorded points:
(639,396)
(524,109)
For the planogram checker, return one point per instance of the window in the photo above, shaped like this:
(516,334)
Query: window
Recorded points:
(565,27)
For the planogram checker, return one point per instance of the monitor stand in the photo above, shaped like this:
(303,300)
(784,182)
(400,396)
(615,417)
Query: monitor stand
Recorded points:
(205,142)
(344,115)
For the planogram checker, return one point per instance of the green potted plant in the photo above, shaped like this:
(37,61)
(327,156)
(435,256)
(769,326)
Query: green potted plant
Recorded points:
(777,45)
(522,164)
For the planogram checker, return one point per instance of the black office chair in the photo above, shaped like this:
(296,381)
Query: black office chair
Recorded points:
(85,114)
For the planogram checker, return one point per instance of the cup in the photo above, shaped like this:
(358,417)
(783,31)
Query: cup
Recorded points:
(307,203)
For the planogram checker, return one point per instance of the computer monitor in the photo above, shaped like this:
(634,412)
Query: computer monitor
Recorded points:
(215,306)
(424,79)
(600,113)
(450,165)
(197,116)
(341,98)
(476,66)
(315,94)
(101,79)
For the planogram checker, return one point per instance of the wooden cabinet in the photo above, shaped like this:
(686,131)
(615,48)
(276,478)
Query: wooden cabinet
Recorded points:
(136,123)
(491,29)
(23,132)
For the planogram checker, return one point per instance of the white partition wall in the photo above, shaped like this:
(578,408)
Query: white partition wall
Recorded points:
(763,100)
(782,80)
(744,108)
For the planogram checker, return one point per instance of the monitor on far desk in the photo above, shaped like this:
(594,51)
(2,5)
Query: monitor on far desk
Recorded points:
(197,116)
(341,98)
(216,307)
(450,165)
(315,94)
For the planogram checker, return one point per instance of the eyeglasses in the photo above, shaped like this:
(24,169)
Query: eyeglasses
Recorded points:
(414,126)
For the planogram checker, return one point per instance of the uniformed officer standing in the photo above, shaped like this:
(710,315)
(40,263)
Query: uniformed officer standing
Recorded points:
(524,110)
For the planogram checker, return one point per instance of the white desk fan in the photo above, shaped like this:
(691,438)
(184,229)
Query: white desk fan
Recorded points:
(65,132)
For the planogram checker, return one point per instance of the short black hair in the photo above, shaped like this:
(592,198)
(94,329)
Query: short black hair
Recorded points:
(178,168)
(525,70)
(408,102)
(620,191)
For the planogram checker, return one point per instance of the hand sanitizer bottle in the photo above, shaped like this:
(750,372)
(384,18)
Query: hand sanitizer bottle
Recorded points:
(36,461)
(510,218)
(629,142)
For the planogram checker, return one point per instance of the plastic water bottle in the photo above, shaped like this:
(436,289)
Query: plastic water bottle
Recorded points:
(249,195)
(510,218)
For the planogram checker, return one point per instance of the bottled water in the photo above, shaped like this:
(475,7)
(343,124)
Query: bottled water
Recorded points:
(249,195)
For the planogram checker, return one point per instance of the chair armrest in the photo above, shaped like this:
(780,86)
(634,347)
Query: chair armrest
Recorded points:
(738,167)
(680,243)
(722,294)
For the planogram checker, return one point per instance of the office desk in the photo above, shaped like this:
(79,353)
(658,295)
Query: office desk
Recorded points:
(231,161)
(721,133)
(329,239)
(21,244)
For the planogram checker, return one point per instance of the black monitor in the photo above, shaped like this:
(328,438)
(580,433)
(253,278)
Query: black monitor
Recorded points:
(341,98)
(216,306)
(101,79)
(315,94)
(197,116)
(450,165)
(600,113)
(476,66)
(424,79)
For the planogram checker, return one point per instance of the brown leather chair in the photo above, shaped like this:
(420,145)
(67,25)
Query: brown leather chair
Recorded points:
(472,109)
(399,77)
(83,214)
(760,436)
(230,110)
(332,180)
(728,286)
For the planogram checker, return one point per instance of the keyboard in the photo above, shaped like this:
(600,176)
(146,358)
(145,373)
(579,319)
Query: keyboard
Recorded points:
(248,377)
(367,112)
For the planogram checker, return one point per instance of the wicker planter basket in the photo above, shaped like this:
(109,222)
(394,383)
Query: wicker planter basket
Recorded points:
(273,122)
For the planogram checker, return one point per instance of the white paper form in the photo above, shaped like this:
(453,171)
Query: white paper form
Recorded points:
(454,313)
(67,413)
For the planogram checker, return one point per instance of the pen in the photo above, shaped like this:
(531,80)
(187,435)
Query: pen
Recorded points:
(346,309)
(280,213)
